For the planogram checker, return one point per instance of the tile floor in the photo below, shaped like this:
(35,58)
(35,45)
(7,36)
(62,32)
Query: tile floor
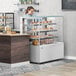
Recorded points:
(7,70)
(68,69)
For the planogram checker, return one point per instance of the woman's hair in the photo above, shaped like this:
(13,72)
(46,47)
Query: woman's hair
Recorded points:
(28,8)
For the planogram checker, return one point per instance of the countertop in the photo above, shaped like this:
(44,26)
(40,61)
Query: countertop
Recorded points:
(17,34)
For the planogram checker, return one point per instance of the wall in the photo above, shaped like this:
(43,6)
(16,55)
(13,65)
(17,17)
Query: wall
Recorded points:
(69,33)
(52,7)
(7,5)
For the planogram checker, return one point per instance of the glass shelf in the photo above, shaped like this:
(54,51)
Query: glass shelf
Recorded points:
(3,17)
(26,4)
(46,30)
(21,9)
(9,23)
(37,24)
(44,37)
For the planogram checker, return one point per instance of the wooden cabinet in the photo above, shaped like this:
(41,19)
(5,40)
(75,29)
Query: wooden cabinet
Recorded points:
(14,49)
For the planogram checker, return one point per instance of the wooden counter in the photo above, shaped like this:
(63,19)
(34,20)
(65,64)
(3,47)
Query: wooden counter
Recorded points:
(14,48)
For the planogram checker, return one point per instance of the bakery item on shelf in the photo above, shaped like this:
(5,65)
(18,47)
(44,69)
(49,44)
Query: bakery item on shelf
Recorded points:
(42,41)
(51,28)
(35,42)
(46,41)
(13,32)
(8,32)
(51,41)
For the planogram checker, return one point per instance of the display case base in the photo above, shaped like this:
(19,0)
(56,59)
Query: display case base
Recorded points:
(49,52)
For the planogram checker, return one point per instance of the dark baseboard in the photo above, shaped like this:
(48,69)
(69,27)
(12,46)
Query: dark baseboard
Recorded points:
(46,61)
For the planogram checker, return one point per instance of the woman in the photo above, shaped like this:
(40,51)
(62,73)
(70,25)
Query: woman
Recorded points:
(28,13)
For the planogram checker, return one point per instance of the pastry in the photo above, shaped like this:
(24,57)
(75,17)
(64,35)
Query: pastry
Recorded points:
(13,32)
(35,42)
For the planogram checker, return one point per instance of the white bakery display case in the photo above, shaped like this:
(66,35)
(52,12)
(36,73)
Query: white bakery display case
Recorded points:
(46,37)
